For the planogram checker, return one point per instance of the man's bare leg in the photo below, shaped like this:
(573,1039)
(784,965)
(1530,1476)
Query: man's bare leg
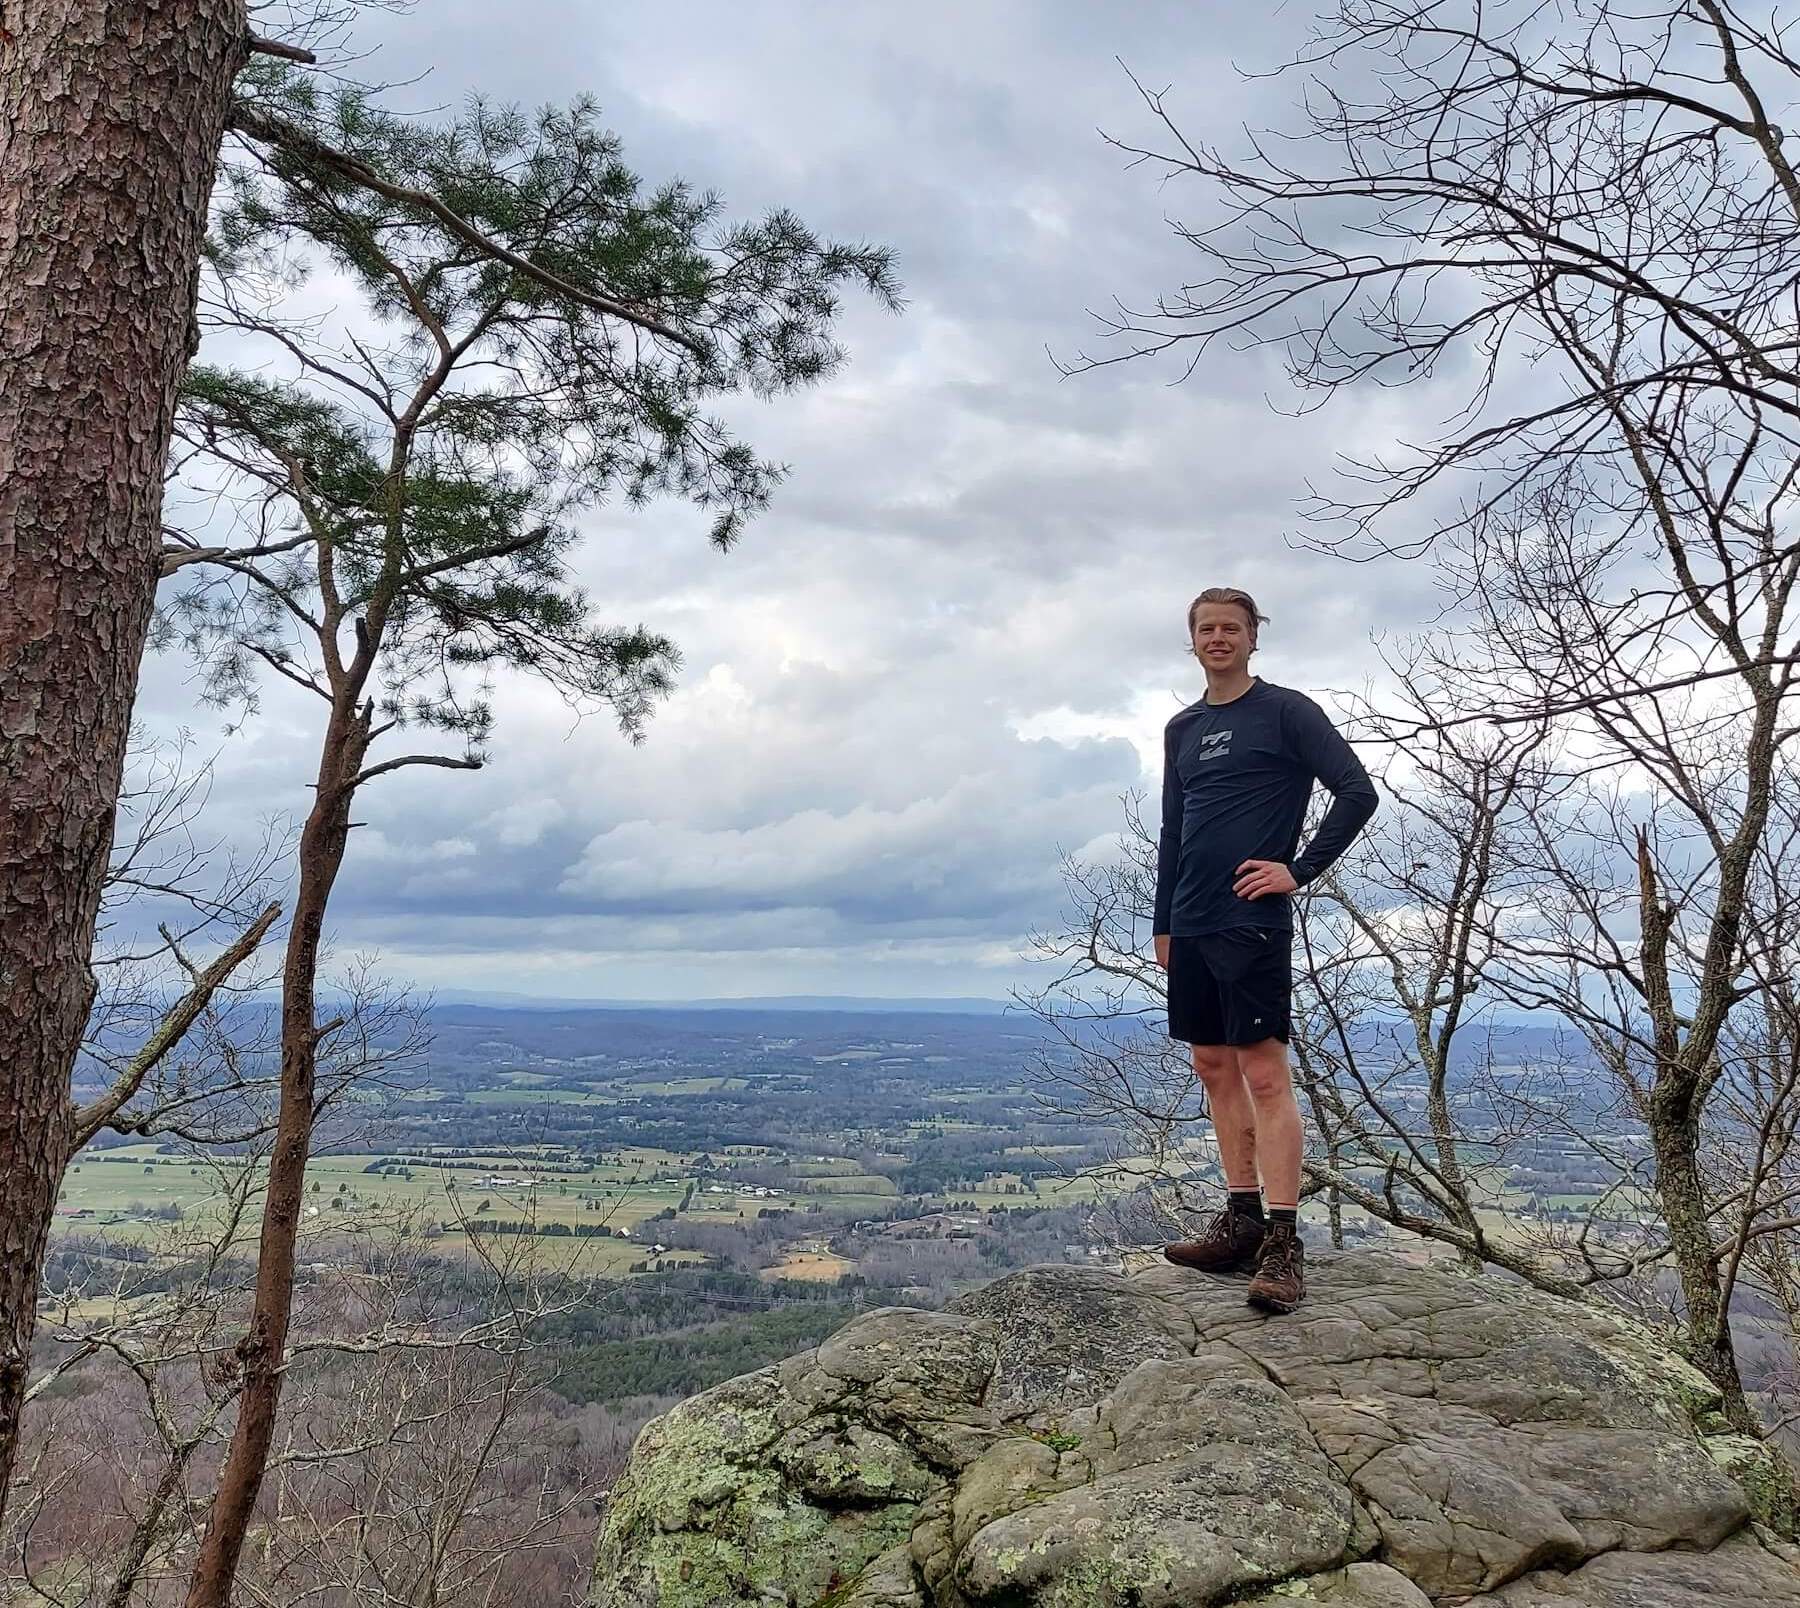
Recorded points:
(1231,1238)
(1234,1115)
(1276,1132)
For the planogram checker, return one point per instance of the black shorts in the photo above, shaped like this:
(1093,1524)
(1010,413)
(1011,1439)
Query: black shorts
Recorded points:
(1234,987)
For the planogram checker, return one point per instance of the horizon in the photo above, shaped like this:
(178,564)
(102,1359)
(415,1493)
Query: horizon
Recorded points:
(480,999)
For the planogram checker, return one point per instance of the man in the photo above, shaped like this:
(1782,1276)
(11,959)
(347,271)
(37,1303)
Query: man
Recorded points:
(1238,769)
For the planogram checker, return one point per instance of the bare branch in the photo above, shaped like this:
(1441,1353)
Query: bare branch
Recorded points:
(259,46)
(444,760)
(90,1119)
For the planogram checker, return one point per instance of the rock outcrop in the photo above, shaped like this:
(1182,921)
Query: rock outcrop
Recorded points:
(1072,1438)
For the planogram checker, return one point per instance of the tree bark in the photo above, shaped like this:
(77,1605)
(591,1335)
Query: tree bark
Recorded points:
(1673,1116)
(111,114)
(1675,1142)
(260,1353)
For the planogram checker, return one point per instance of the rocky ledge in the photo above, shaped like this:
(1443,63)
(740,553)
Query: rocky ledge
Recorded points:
(1070,1437)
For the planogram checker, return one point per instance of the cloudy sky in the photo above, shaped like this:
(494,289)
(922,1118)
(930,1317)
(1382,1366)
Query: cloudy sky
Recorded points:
(948,650)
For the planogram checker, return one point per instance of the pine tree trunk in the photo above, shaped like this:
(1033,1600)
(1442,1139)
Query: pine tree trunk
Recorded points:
(111,116)
(260,1352)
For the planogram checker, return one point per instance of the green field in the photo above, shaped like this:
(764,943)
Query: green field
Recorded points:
(138,1194)
(874,1186)
(522,1088)
(127,1192)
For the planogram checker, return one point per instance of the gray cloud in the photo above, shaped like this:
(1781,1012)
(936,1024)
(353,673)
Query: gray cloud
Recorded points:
(950,647)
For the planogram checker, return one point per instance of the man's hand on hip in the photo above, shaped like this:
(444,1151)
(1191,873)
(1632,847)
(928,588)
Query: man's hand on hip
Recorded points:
(1258,877)
(1162,950)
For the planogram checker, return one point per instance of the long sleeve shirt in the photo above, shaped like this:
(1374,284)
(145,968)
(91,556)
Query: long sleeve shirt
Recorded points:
(1236,781)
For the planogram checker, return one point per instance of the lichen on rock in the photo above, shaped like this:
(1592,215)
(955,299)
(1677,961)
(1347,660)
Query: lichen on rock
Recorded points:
(1070,1437)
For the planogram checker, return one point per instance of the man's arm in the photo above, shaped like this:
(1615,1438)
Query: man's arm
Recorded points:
(1320,746)
(1168,844)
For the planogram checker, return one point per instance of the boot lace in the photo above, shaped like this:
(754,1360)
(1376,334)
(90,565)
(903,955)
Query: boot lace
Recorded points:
(1220,1228)
(1278,1259)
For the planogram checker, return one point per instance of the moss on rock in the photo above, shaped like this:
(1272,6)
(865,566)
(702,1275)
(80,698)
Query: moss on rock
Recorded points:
(1765,1476)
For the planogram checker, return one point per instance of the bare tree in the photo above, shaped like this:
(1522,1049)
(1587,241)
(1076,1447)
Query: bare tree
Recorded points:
(171,887)
(1109,1062)
(139,1327)
(1655,866)
(416,1459)
(162,1053)
(1591,209)
(1750,1157)
(183,1052)
(408,1478)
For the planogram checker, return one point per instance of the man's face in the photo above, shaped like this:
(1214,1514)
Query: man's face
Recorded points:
(1222,636)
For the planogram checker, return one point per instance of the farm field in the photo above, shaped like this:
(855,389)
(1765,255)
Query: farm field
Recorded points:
(819,1265)
(781,1146)
(134,1192)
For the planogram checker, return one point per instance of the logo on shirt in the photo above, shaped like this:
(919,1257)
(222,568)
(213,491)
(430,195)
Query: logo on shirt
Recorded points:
(1214,745)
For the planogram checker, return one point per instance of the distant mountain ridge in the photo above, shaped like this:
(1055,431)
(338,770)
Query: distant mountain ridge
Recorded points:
(970,1005)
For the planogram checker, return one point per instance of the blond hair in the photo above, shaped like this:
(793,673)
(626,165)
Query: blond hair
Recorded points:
(1228,594)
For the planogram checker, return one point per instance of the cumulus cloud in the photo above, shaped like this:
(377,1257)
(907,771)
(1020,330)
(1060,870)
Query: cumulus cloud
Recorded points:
(950,647)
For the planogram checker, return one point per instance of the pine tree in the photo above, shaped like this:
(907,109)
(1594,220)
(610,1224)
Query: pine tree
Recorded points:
(409,502)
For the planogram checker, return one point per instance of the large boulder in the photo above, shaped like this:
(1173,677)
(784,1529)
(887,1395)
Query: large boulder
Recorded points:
(1075,1438)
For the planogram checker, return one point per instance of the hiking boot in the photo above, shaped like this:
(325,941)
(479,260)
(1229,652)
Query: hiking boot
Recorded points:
(1280,1282)
(1228,1244)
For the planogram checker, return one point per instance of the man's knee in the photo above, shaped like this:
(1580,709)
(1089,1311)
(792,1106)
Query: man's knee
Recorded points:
(1265,1069)
(1215,1064)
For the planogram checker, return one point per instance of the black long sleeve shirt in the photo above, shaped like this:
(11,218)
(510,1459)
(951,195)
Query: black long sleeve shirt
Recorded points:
(1236,781)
